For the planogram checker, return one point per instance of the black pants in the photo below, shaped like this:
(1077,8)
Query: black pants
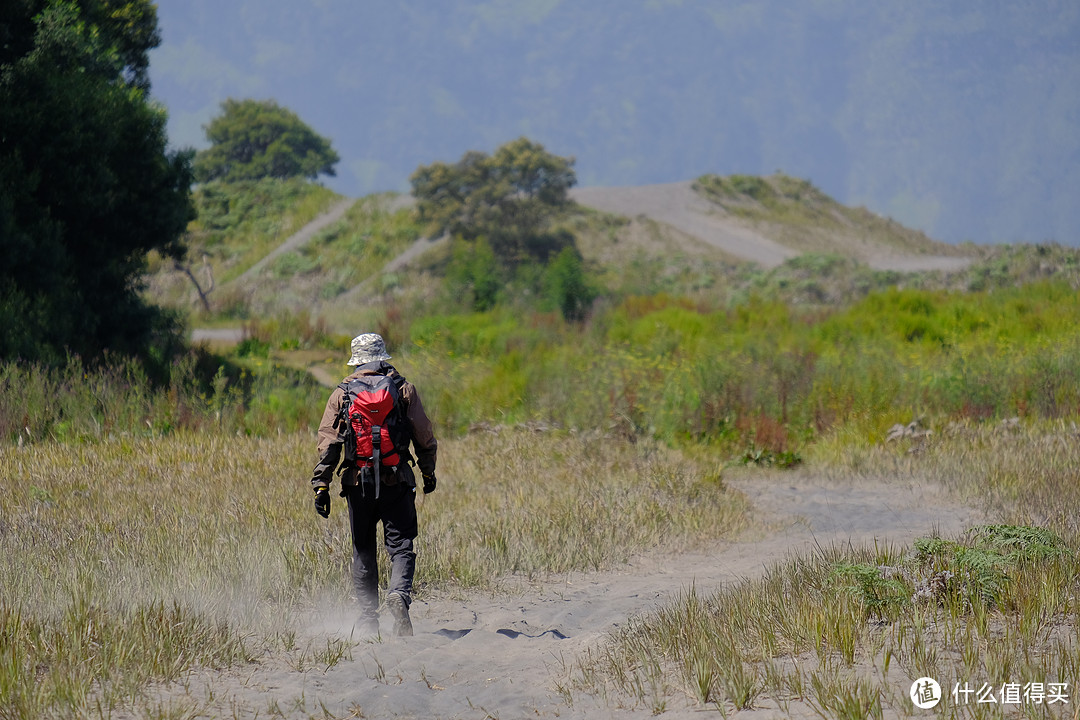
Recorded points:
(396,508)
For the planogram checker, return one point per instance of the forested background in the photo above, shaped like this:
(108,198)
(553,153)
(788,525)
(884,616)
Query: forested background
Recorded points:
(960,119)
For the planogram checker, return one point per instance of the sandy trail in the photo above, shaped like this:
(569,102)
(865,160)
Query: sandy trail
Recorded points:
(677,205)
(680,207)
(476,655)
(419,247)
(300,238)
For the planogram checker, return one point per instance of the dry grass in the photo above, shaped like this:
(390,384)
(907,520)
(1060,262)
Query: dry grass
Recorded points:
(1019,472)
(845,632)
(130,560)
(540,502)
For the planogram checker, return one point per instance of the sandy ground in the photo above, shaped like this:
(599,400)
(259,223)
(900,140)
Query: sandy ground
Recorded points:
(678,206)
(476,655)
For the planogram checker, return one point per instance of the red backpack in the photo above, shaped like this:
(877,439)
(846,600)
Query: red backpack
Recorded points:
(376,431)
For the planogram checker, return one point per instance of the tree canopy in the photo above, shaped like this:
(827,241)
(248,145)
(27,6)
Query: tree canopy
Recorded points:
(254,139)
(87,186)
(510,198)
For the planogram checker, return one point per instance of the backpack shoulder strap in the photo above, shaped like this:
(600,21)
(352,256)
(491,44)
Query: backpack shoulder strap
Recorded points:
(343,404)
(345,429)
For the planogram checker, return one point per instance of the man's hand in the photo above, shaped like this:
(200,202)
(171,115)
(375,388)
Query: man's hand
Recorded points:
(429,482)
(322,502)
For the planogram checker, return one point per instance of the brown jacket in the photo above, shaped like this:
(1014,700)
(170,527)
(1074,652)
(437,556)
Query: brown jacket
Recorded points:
(332,434)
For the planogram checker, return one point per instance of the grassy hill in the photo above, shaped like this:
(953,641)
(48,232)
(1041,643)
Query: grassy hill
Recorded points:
(236,225)
(801,216)
(373,268)
(836,253)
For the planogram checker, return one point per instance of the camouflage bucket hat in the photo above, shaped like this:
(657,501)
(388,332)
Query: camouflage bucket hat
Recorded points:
(366,348)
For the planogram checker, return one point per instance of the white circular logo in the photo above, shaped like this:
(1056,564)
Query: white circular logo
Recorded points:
(925,693)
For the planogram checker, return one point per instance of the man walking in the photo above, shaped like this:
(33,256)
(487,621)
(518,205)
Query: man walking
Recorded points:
(369,421)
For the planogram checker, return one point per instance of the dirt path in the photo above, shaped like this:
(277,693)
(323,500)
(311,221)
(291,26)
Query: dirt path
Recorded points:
(477,656)
(418,248)
(678,206)
(225,336)
(299,238)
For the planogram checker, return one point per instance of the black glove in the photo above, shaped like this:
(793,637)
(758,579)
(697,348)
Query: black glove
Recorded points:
(322,502)
(429,482)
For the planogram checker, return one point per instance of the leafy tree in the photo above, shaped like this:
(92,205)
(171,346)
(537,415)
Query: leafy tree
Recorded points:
(511,198)
(474,274)
(86,184)
(567,286)
(254,139)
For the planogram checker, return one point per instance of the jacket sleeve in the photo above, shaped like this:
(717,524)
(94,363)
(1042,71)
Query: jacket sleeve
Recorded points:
(423,435)
(329,441)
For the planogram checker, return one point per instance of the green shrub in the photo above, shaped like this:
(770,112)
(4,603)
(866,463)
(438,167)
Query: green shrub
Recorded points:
(252,347)
(764,375)
(751,185)
(882,597)
(566,284)
(474,274)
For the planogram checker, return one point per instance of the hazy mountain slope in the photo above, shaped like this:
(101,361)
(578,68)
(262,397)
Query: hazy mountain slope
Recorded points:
(957,119)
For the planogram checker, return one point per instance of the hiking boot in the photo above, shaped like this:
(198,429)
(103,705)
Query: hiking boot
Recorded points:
(367,628)
(400,610)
